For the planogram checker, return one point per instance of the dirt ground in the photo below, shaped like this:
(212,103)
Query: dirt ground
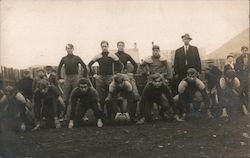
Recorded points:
(194,138)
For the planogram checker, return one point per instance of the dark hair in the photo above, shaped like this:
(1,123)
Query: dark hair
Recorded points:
(83,81)
(104,42)
(70,45)
(156,76)
(48,67)
(192,71)
(120,42)
(119,78)
(43,83)
(9,90)
(244,47)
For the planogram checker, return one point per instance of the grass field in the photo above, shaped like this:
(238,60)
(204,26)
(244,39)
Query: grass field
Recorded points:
(193,138)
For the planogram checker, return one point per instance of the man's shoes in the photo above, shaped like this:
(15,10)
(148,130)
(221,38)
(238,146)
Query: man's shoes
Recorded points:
(71,124)
(23,127)
(141,121)
(99,123)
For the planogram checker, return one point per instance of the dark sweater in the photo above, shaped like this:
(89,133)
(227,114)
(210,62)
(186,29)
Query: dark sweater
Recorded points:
(71,65)
(152,94)
(25,86)
(49,99)
(106,63)
(125,58)
(90,98)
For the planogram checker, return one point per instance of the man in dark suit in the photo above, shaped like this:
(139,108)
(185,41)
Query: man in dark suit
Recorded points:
(186,57)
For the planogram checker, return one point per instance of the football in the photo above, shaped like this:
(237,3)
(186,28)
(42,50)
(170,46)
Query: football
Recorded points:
(122,118)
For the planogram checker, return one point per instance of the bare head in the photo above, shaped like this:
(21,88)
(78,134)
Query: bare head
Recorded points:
(43,86)
(192,74)
(157,80)
(119,80)
(83,85)
(104,46)
(70,48)
(244,50)
(120,46)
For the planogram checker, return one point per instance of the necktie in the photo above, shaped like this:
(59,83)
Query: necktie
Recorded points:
(186,55)
(186,50)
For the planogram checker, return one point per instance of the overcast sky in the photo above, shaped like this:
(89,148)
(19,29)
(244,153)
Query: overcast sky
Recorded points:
(35,32)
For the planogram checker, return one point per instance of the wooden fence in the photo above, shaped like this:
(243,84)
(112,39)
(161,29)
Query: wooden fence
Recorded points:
(9,76)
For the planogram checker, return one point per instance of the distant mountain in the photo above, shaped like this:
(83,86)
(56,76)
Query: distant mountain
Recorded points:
(234,45)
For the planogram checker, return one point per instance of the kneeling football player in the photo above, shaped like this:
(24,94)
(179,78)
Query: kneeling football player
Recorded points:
(156,91)
(46,104)
(231,97)
(122,97)
(84,97)
(187,90)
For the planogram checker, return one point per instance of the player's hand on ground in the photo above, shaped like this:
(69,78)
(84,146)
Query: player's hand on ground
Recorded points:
(71,124)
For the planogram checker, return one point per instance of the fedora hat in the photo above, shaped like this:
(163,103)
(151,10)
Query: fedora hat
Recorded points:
(186,36)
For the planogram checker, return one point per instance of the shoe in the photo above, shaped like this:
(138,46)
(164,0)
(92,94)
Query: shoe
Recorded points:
(99,123)
(224,113)
(177,118)
(23,127)
(71,124)
(36,127)
(245,110)
(57,123)
(140,121)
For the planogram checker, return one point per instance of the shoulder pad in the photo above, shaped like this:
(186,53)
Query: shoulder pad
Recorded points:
(97,57)
(148,60)
(162,59)
(113,56)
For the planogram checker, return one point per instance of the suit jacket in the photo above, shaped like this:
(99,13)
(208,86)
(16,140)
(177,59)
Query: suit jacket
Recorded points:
(193,60)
